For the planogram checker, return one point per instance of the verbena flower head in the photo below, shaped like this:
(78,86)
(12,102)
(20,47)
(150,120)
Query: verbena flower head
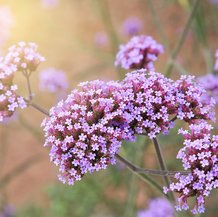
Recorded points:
(191,107)
(132,26)
(140,52)
(24,56)
(158,207)
(9,100)
(199,156)
(85,131)
(53,80)
(150,102)
(210,84)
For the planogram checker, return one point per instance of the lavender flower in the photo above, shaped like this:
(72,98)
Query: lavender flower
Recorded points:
(101,39)
(7,211)
(210,84)
(199,155)
(158,207)
(85,131)
(139,52)
(24,56)
(9,100)
(132,26)
(150,102)
(53,80)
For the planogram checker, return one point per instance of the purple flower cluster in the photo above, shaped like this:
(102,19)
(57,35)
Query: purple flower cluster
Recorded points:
(86,130)
(140,52)
(7,211)
(199,155)
(132,26)
(158,207)
(53,80)
(24,56)
(9,100)
(210,84)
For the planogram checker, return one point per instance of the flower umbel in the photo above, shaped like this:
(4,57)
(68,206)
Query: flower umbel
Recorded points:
(140,52)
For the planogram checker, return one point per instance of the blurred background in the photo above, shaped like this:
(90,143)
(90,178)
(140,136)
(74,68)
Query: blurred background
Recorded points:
(81,39)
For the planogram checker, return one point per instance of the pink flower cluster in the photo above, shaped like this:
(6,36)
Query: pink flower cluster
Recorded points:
(210,84)
(132,26)
(53,80)
(199,155)
(86,130)
(9,100)
(158,207)
(140,52)
(24,56)
(21,57)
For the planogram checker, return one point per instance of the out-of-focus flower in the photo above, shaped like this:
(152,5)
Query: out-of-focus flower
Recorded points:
(9,100)
(210,83)
(101,39)
(6,22)
(199,156)
(7,211)
(24,56)
(215,2)
(140,52)
(132,26)
(216,61)
(49,3)
(158,207)
(53,80)
(85,131)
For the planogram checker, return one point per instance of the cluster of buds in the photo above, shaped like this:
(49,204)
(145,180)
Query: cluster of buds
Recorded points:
(199,156)
(140,52)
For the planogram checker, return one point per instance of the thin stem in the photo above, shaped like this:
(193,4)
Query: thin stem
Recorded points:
(27,76)
(139,170)
(37,107)
(162,164)
(181,40)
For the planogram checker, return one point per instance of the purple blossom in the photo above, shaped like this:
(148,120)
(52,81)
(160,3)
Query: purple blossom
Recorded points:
(132,26)
(216,61)
(96,137)
(53,80)
(9,100)
(101,39)
(199,155)
(139,52)
(158,207)
(210,83)
(24,56)
(7,211)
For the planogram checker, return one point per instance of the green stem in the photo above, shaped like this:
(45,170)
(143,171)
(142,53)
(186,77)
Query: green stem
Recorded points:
(162,164)
(181,40)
